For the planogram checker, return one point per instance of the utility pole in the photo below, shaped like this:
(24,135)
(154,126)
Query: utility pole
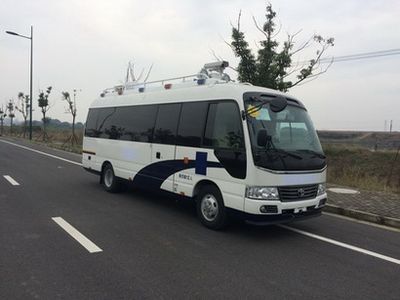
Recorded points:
(30,87)
(30,77)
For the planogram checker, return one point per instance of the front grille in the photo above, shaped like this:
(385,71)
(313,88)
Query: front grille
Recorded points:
(295,193)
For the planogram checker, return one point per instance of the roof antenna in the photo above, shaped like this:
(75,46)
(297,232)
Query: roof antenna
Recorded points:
(140,75)
(148,73)
(130,74)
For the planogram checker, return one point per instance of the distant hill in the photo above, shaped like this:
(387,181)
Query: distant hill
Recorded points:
(54,123)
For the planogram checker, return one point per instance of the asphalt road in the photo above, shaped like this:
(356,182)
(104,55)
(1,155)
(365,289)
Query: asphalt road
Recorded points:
(152,246)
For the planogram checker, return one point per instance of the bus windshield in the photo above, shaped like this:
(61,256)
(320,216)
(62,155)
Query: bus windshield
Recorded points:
(290,132)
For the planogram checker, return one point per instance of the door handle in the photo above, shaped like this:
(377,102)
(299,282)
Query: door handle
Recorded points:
(158,155)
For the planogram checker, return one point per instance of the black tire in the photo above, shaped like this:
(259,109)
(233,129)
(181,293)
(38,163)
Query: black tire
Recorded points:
(110,182)
(210,208)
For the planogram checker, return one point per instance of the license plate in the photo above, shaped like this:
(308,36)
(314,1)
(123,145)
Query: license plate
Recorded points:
(300,209)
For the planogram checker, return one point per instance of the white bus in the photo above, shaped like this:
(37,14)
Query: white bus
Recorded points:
(238,150)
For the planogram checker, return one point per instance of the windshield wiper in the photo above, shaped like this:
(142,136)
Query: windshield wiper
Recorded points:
(315,153)
(282,152)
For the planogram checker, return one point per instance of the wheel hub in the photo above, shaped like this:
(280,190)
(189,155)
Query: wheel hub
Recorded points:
(209,207)
(108,177)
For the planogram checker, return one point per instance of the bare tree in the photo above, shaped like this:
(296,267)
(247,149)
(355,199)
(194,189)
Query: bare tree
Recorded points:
(43,103)
(71,108)
(11,115)
(23,108)
(2,116)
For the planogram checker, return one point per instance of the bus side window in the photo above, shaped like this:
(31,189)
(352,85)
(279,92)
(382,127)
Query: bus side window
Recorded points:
(191,124)
(134,123)
(145,119)
(224,127)
(166,124)
(91,120)
(104,128)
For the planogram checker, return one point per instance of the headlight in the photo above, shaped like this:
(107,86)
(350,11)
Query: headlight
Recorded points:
(321,188)
(262,193)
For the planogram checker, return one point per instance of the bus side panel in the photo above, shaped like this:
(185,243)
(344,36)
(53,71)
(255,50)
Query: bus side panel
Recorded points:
(164,166)
(129,157)
(126,157)
(88,153)
(201,164)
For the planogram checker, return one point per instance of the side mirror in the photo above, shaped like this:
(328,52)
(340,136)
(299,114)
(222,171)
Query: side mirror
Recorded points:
(278,104)
(262,137)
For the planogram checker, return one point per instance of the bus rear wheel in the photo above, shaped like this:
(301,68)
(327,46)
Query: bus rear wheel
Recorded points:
(110,182)
(211,209)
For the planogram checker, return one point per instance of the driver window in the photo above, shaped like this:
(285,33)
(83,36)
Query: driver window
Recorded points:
(224,128)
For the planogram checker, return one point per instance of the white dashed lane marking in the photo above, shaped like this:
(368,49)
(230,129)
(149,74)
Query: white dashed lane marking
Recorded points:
(79,237)
(10,180)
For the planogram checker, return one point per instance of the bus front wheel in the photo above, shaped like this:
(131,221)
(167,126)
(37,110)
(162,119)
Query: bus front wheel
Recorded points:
(210,208)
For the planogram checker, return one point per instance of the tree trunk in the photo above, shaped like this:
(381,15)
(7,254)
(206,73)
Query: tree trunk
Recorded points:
(24,127)
(11,126)
(73,129)
(44,126)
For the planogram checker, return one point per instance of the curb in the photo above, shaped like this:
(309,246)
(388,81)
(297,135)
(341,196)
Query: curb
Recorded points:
(364,216)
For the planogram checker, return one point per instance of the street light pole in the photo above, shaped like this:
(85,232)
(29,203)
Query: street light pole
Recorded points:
(31,75)
(30,83)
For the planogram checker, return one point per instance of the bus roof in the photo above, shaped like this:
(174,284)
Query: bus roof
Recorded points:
(182,92)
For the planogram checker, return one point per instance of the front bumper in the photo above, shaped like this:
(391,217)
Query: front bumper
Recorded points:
(282,212)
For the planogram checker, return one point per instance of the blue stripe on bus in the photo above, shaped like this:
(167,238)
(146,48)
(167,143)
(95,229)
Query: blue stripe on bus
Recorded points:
(153,175)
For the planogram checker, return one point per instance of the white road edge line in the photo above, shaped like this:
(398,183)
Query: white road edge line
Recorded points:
(43,153)
(344,245)
(79,237)
(361,222)
(10,180)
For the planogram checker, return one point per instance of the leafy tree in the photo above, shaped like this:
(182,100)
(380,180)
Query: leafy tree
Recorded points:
(273,64)
(11,115)
(23,108)
(2,117)
(72,110)
(43,103)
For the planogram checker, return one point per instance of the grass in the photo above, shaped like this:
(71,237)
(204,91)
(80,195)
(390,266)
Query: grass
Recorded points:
(362,168)
(57,138)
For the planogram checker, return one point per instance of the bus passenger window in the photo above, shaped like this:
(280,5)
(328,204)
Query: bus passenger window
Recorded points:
(135,123)
(90,127)
(191,124)
(166,124)
(103,125)
(143,124)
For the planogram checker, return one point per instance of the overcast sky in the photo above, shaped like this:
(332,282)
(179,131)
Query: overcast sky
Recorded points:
(86,45)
